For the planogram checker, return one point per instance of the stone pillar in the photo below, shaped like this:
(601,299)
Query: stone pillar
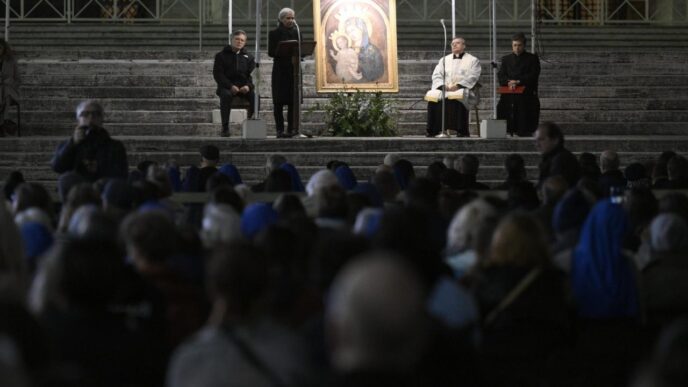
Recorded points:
(664,11)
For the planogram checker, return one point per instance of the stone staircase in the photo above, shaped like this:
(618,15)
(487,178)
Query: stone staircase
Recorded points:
(159,98)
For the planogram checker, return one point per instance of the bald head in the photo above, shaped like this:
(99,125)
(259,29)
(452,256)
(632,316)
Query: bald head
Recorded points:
(376,316)
(609,161)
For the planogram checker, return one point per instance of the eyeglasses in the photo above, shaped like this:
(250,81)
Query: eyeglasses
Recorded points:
(93,113)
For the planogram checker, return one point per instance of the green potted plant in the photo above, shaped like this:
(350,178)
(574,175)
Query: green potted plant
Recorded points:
(360,114)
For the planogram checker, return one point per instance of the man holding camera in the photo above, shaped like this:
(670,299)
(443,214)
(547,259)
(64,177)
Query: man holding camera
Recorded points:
(90,152)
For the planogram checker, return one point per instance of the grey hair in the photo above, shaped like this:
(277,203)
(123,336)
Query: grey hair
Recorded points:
(239,32)
(89,102)
(283,12)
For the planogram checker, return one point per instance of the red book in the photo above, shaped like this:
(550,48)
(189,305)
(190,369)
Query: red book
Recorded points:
(507,90)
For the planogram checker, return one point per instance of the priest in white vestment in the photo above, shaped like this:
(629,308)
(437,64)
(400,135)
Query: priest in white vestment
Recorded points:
(455,74)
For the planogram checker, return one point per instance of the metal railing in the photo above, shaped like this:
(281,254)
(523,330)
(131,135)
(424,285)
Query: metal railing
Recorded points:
(592,12)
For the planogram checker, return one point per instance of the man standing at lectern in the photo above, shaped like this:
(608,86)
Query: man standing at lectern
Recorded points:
(232,72)
(462,72)
(283,72)
(520,68)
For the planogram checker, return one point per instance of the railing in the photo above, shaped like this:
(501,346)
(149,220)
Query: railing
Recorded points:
(593,12)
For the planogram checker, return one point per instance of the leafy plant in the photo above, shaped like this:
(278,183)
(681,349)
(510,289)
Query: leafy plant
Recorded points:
(360,114)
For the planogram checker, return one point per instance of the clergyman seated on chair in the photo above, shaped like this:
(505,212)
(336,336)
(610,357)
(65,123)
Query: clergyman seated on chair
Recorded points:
(455,74)
(232,72)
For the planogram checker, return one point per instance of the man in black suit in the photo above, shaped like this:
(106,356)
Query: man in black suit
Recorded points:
(520,68)
(232,72)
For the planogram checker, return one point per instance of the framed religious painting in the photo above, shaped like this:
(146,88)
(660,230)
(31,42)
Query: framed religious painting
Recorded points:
(357,45)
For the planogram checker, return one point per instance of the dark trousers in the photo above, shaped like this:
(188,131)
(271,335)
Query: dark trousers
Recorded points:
(279,117)
(455,117)
(226,98)
(521,112)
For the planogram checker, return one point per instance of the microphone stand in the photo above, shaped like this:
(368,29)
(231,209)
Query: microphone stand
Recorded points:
(300,91)
(443,132)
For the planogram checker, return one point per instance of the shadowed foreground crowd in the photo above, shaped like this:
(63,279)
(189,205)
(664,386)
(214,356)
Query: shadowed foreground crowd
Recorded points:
(409,278)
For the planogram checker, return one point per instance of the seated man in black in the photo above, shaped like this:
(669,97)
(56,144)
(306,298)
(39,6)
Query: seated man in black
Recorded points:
(232,72)
(90,153)
(520,68)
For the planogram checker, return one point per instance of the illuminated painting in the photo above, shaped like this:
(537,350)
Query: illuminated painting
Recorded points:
(357,45)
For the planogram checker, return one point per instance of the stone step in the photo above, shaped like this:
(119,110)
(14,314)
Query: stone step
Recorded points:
(402,103)
(255,174)
(403,116)
(95,70)
(618,55)
(405,129)
(407,81)
(21,160)
(420,34)
(412,144)
(200,66)
(545,91)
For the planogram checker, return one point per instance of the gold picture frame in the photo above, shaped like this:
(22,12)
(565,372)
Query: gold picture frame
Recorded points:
(357,45)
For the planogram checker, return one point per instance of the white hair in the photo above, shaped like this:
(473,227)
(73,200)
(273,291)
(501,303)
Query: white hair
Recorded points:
(89,102)
(33,214)
(322,179)
(221,224)
(464,227)
(391,158)
(283,13)
(377,307)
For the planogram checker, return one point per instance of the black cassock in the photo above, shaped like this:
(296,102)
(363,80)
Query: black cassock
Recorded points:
(282,77)
(521,111)
(455,117)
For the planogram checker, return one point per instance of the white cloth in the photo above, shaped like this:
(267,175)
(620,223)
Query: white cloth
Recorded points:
(464,72)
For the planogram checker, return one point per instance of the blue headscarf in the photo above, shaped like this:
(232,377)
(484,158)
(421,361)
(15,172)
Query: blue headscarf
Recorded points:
(570,212)
(256,217)
(602,279)
(174,174)
(37,240)
(296,184)
(368,222)
(232,172)
(371,192)
(346,177)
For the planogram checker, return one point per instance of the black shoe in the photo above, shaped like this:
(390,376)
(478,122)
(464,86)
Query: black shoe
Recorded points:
(463,135)
(430,135)
(225,131)
(281,135)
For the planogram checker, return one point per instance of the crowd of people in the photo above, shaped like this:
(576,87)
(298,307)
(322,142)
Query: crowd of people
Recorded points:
(413,276)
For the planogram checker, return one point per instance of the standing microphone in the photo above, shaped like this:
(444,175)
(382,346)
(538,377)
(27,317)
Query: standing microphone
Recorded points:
(443,132)
(300,86)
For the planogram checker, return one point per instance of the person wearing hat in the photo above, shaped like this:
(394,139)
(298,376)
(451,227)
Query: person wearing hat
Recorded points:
(196,177)
(232,72)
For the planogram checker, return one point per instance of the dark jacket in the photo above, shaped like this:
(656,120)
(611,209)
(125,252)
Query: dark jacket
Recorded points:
(524,68)
(559,161)
(282,68)
(109,155)
(233,68)
(609,179)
